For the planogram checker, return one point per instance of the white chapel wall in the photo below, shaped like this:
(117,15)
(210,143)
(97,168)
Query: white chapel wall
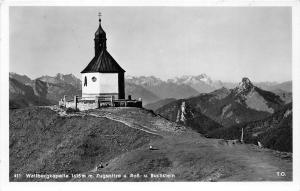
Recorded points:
(106,83)
(93,87)
(109,83)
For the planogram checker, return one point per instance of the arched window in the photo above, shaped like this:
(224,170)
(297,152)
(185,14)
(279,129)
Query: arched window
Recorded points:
(85,81)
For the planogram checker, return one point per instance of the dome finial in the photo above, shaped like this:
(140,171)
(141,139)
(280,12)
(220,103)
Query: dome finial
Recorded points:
(99,14)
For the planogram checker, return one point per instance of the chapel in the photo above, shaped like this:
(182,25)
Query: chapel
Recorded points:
(103,76)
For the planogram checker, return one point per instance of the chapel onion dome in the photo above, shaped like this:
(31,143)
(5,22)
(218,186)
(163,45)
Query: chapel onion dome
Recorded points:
(100,33)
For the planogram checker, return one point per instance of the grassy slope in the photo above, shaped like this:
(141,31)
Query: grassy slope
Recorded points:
(191,157)
(42,141)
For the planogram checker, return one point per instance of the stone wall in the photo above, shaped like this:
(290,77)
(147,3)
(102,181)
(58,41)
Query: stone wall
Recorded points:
(88,104)
(70,104)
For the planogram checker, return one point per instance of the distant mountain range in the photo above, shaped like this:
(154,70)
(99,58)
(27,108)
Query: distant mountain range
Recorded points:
(46,90)
(21,95)
(151,89)
(274,86)
(189,86)
(243,103)
(137,91)
(62,79)
(202,83)
(163,89)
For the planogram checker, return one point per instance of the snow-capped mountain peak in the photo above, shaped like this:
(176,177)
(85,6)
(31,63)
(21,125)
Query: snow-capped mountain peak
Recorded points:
(144,80)
(189,79)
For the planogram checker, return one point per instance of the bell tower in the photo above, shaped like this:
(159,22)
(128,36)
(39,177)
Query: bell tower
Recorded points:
(100,38)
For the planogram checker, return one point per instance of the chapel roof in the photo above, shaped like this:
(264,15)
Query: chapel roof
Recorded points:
(103,63)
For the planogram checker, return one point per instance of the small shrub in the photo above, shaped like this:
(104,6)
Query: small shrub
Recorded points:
(71,110)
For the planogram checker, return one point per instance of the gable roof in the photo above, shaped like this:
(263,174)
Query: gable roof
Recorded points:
(103,63)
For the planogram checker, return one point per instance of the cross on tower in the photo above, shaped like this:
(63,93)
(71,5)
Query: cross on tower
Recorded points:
(99,14)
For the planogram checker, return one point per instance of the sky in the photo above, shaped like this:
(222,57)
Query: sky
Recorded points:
(226,43)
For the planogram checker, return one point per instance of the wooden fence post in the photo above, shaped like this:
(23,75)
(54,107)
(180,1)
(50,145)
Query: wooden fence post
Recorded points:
(97,100)
(242,136)
(65,104)
(75,102)
(112,100)
(140,102)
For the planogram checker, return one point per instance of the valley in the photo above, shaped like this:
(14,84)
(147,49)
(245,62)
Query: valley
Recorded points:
(150,88)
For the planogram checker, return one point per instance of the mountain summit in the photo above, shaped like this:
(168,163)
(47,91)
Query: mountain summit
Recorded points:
(255,98)
(244,86)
